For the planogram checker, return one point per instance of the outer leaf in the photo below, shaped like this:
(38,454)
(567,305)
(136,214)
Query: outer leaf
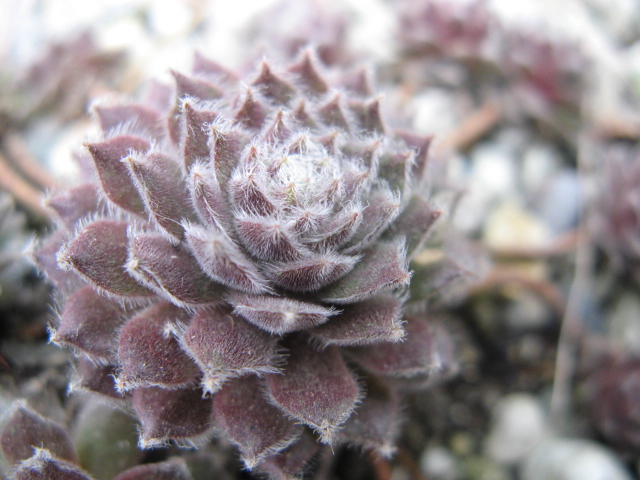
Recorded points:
(273,87)
(89,322)
(97,379)
(267,238)
(225,346)
(195,87)
(42,466)
(159,182)
(223,261)
(44,255)
(209,202)
(308,75)
(149,355)
(279,315)
(138,115)
(172,272)
(99,254)
(194,138)
(315,388)
(290,462)
(250,421)
(227,145)
(180,415)
(75,204)
(251,114)
(312,273)
(383,267)
(114,175)
(373,320)
(414,223)
(25,429)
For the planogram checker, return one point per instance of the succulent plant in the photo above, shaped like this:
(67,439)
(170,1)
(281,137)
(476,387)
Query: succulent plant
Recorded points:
(240,262)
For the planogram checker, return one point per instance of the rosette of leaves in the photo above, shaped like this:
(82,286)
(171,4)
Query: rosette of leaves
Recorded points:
(241,261)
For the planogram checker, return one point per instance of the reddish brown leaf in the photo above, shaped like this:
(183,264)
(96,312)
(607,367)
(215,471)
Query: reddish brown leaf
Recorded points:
(42,466)
(312,273)
(414,224)
(172,469)
(75,204)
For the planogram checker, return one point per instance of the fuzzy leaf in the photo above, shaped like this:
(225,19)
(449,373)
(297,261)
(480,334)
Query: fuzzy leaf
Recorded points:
(251,114)
(227,145)
(159,182)
(383,267)
(44,255)
(267,238)
(149,355)
(223,261)
(247,194)
(273,87)
(290,462)
(250,421)
(225,346)
(332,114)
(180,415)
(195,87)
(416,355)
(341,228)
(89,322)
(395,169)
(368,115)
(383,207)
(208,200)
(172,469)
(137,115)
(279,315)
(315,388)
(312,273)
(171,271)
(278,131)
(421,144)
(42,466)
(308,75)
(26,429)
(205,66)
(414,223)
(194,138)
(75,204)
(96,378)
(374,424)
(99,254)
(373,320)
(114,175)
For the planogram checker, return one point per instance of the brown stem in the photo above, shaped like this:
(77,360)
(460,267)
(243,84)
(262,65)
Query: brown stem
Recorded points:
(476,125)
(560,246)
(25,163)
(22,191)
(408,461)
(381,466)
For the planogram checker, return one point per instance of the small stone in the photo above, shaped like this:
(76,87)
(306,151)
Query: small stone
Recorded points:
(624,324)
(510,226)
(568,459)
(517,426)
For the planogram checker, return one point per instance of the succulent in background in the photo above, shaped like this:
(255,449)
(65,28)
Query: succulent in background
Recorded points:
(61,81)
(242,262)
(445,27)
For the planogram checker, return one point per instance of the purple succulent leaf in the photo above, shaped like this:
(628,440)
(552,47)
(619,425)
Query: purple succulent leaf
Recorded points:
(268,238)
(279,315)
(383,267)
(172,469)
(315,388)
(148,353)
(415,356)
(374,424)
(308,76)
(25,430)
(225,346)
(227,146)
(207,67)
(89,322)
(273,87)
(332,113)
(114,176)
(96,378)
(44,255)
(252,423)
(170,271)
(420,144)
(368,115)
(75,203)
(341,228)
(303,117)
(181,415)
(43,466)
(159,182)
(139,116)
(289,463)
(99,254)
(377,319)
(195,138)
(221,259)
(246,192)
(197,87)
(277,131)
(395,169)
(312,272)
(158,95)
(383,208)
(252,113)
(414,223)
(208,200)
